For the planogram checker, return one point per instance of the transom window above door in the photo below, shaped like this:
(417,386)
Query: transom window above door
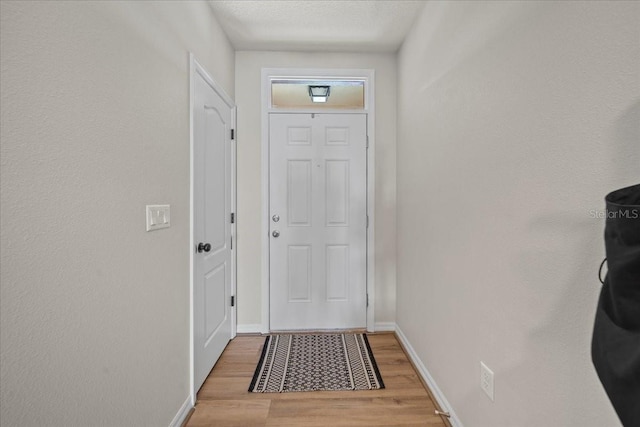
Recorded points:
(329,94)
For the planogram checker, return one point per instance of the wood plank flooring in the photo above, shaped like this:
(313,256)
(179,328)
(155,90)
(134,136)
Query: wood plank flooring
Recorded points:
(224,400)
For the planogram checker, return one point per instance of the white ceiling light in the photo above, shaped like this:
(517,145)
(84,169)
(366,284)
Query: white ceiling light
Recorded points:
(319,93)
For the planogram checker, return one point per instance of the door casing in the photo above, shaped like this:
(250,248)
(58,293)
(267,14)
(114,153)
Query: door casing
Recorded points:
(368,76)
(195,67)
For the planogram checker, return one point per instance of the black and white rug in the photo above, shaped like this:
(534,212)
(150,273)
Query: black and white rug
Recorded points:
(301,362)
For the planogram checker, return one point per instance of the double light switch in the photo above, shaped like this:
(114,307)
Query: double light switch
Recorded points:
(158,216)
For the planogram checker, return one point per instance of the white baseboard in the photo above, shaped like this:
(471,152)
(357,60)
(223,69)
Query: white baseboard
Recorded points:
(426,376)
(257,328)
(249,329)
(182,414)
(384,327)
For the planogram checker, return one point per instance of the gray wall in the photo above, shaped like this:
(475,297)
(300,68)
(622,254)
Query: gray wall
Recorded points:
(95,124)
(514,120)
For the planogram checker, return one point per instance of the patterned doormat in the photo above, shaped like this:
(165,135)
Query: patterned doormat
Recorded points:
(302,362)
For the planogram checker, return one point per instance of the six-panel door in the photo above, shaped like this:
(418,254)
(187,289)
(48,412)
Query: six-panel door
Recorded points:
(318,221)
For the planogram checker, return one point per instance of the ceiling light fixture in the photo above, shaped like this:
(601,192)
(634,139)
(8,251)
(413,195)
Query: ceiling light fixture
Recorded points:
(319,93)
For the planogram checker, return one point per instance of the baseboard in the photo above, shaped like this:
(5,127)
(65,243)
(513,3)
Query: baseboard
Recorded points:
(257,328)
(384,327)
(182,414)
(438,395)
(249,329)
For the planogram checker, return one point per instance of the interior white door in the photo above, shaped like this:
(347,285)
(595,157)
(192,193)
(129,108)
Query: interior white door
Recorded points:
(318,208)
(212,122)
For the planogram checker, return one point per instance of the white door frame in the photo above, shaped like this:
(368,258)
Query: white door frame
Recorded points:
(195,67)
(368,76)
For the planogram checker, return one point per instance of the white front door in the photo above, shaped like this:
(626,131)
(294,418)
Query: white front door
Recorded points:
(212,123)
(318,221)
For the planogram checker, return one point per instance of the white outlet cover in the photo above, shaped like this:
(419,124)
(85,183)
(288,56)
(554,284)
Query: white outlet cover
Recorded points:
(486,380)
(158,216)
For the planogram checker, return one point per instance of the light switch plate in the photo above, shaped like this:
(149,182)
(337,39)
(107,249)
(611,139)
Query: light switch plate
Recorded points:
(158,216)
(486,380)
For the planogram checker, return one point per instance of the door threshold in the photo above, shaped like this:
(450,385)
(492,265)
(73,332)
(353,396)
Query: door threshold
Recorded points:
(320,331)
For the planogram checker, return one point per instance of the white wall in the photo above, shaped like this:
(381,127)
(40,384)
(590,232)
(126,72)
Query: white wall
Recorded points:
(95,124)
(515,119)
(248,99)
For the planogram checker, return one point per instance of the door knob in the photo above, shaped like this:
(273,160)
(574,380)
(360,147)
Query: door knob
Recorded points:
(275,233)
(275,218)
(204,247)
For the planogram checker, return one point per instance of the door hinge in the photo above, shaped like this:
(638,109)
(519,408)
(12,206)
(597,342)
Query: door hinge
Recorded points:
(367,221)
(367,300)
(233,300)
(231,243)
(233,134)
(233,217)
(367,141)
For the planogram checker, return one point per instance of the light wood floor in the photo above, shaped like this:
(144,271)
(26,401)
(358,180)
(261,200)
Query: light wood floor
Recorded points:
(224,400)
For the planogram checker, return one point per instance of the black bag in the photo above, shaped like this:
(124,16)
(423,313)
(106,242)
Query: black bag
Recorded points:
(615,347)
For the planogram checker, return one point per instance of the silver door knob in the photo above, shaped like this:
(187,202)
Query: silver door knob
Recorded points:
(275,218)
(275,233)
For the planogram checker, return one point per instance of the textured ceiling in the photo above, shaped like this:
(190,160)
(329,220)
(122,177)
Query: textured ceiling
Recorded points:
(317,25)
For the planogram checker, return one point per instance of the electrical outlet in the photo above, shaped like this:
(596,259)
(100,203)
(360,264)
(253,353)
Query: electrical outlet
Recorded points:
(486,380)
